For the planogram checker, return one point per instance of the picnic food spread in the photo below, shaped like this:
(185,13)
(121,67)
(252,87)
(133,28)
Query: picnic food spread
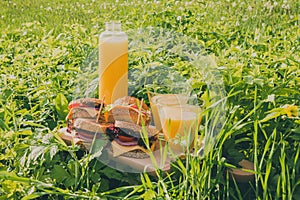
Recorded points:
(121,122)
(125,120)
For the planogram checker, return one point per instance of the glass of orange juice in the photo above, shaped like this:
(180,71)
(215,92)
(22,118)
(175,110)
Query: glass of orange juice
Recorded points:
(179,122)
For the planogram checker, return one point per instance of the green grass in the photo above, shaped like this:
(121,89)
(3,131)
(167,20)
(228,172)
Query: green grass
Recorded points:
(45,47)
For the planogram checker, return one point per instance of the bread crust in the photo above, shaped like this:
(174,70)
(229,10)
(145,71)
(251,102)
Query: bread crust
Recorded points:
(90,125)
(90,113)
(129,109)
(136,128)
(129,100)
(128,114)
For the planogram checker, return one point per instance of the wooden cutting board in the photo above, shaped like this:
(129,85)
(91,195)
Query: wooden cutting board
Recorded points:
(156,160)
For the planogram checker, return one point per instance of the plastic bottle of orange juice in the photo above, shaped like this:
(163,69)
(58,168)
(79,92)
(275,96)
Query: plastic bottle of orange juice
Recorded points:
(113,63)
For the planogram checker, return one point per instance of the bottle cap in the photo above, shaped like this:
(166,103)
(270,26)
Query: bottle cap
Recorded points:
(109,26)
(117,26)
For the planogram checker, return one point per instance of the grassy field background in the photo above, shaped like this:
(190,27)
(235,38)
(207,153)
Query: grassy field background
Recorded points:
(44,46)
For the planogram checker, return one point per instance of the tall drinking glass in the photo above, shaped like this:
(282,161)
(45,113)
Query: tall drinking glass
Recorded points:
(180,125)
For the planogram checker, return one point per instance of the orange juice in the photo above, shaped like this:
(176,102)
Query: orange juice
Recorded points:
(180,121)
(177,121)
(113,64)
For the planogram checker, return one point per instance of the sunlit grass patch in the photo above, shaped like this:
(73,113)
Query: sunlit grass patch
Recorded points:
(45,45)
